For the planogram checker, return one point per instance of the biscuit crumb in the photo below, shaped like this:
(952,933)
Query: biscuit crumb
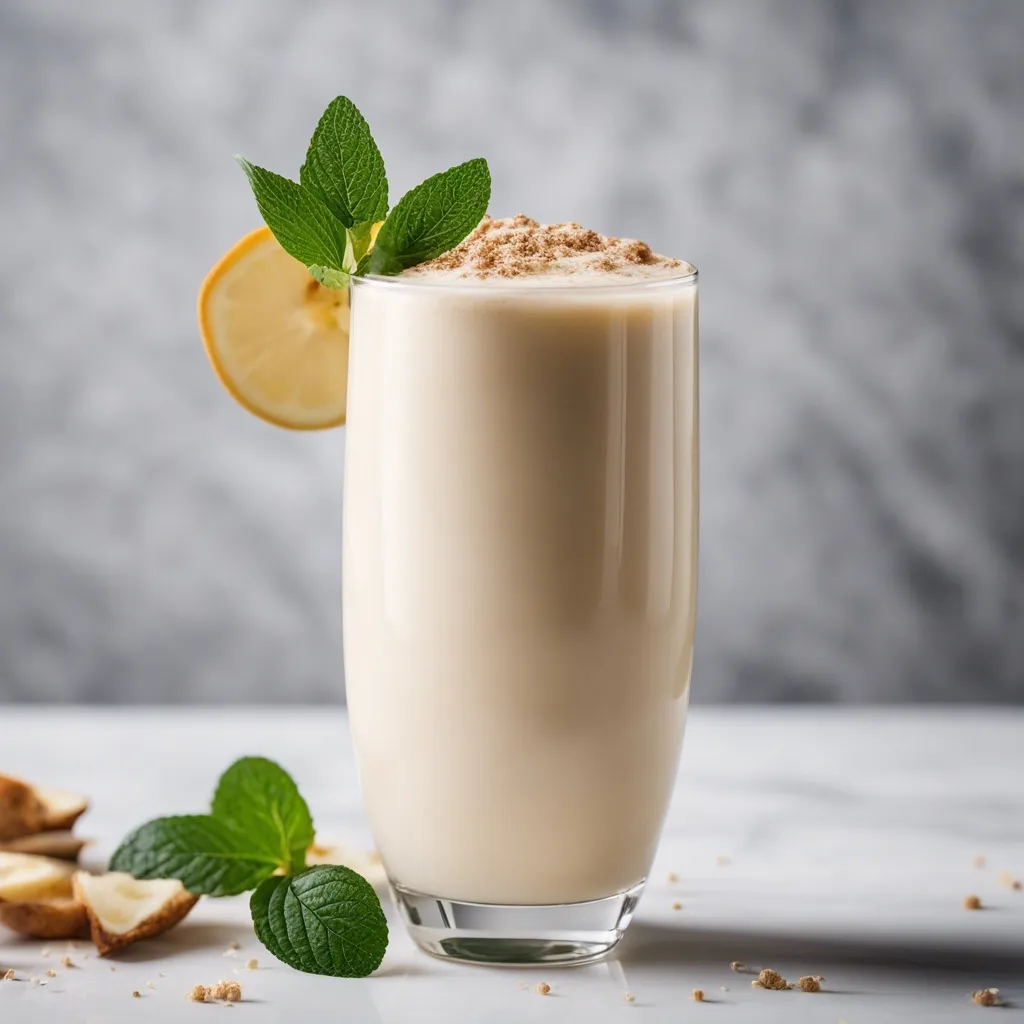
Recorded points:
(770,979)
(979,860)
(738,965)
(151,984)
(136,994)
(721,860)
(810,983)
(113,969)
(252,965)
(197,994)
(724,988)
(985,997)
(35,981)
(51,973)
(225,991)
(677,906)
(672,878)
(697,995)
(9,975)
(45,951)
(629,997)
(66,961)
(1005,878)
(972,902)
(543,988)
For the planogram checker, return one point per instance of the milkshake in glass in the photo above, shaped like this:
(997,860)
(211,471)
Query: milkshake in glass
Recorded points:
(520,565)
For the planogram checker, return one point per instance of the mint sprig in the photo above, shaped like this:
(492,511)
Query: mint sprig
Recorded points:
(326,219)
(324,920)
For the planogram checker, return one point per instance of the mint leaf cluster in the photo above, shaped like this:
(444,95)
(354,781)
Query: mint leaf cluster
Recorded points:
(326,220)
(322,920)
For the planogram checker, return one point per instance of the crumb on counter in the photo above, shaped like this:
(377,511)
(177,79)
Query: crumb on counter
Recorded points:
(66,961)
(1009,881)
(979,860)
(810,983)
(252,965)
(677,905)
(722,860)
(136,994)
(985,997)
(225,991)
(629,997)
(738,965)
(770,979)
(672,878)
(697,995)
(972,902)
(51,973)
(197,994)
(45,951)
(543,988)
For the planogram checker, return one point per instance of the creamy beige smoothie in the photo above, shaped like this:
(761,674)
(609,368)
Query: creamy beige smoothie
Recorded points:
(520,560)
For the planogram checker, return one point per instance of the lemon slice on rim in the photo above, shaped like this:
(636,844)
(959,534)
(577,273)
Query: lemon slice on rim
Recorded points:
(277,340)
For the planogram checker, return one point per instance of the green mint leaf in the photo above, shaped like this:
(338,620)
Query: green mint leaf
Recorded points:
(205,854)
(329,278)
(328,920)
(300,221)
(431,218)
(256,798)
(344,167)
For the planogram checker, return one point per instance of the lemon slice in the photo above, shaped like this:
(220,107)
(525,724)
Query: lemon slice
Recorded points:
(277,340)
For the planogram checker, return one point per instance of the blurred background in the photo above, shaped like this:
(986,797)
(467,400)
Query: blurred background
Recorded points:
(848,176)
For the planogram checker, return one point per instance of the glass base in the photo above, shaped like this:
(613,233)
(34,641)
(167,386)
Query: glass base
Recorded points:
(567,934)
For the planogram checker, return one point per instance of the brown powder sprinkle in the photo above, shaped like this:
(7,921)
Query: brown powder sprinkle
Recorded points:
(543,988)
(810,983)
(520,246)
(972,902)
(697,995)
(771,980)
(985,997)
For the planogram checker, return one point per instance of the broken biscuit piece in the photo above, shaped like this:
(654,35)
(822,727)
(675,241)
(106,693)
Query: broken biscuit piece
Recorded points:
(122,910)
(59,918)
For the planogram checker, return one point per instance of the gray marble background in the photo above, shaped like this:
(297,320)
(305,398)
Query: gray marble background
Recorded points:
(849,176)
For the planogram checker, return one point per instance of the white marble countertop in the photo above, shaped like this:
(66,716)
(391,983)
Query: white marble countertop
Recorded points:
(836,841)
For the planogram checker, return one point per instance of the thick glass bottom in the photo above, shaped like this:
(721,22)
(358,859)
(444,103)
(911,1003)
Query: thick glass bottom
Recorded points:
(567,934)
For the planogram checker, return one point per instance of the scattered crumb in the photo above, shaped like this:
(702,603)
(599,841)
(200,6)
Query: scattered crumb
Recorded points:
(697,995)
(197,994)
(738,965)
(252,965)
(113,968)
(721,860)
(151,984)
(979,860)
(51,973)
(66,961)
(985,997)
(1009,881)
(136,994)
(672,878)
(35,981)
(45,951)
(770,979)
(725,988)
(972,902)
(677,906)
(809,984)
(225,991)
(543,988)
(9,975)
(72,946)
(629,997)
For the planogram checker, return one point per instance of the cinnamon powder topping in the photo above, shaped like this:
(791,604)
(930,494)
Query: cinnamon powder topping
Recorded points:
(520,246)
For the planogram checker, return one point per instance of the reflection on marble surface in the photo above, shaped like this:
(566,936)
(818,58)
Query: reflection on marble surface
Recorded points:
(847,175)
(836,842)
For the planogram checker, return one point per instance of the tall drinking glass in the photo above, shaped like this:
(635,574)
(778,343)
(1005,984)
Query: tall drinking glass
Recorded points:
(520,565)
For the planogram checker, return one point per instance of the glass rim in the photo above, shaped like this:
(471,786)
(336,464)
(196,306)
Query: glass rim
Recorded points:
(688,275)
